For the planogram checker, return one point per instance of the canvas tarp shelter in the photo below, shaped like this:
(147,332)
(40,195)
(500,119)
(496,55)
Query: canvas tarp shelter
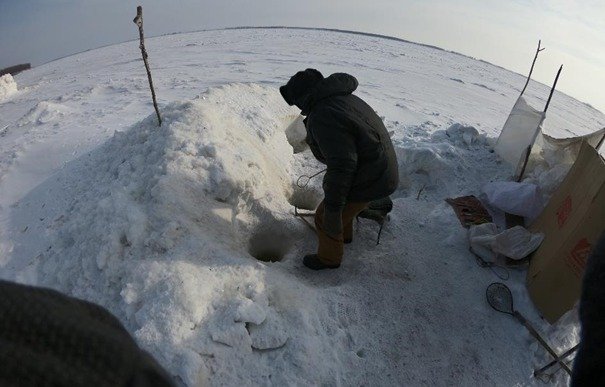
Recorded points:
(572,222)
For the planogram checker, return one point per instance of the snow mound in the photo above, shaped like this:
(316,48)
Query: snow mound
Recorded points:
(43,113)
(8,86)
(156,210)
(437,163)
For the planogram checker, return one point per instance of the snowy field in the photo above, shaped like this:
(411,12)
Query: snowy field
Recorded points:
(160,225)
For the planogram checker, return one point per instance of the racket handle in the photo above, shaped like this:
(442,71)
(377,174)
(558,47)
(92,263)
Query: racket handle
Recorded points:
(552,363)
(537,336)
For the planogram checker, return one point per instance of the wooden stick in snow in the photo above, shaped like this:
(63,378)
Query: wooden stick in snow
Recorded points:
(552,90)
(532,66)
(138,20)
(596,147)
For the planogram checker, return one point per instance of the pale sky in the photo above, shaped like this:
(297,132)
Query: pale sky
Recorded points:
(501,32)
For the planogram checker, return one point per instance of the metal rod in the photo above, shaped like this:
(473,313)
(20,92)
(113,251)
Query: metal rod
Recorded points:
(379,232)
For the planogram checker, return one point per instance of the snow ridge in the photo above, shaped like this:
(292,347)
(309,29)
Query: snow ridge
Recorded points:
(154,209)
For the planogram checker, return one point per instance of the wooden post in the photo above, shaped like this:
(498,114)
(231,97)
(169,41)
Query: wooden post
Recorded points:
(597,147)
(138,20)
(552,90)
(532,66)
(525,160)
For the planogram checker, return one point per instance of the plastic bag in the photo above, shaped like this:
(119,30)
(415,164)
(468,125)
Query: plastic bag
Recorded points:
(523,199)
(481,238)
(516,242)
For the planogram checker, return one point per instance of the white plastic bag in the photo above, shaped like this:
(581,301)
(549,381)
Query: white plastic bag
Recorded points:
(516,242)
(296,133)
(481,238)
(523,199)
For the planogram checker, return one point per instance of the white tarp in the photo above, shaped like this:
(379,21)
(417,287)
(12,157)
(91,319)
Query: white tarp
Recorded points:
(554,151)
(519,131)
(551,158)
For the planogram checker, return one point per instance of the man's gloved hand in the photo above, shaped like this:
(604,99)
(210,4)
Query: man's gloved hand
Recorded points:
(332,223)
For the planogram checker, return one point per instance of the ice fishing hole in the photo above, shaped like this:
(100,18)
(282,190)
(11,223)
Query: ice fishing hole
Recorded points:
(269,244)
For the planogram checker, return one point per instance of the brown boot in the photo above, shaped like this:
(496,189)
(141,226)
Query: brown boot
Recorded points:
(312,262)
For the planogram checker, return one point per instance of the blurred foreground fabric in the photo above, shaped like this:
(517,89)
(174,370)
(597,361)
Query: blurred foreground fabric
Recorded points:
(47,338)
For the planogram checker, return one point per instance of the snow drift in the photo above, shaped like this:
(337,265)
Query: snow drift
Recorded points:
(155,211)
(8,86)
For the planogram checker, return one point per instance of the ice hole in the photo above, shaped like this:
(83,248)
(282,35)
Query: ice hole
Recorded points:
(269,244)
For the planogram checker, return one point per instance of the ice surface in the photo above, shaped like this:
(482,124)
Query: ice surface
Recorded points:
(159,224)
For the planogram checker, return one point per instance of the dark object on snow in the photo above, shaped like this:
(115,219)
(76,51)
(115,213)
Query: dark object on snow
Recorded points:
(346,134)
(469,210)
(378,211)
(49,339)
(313,262)
(14,70)
(589,365)
(500,298)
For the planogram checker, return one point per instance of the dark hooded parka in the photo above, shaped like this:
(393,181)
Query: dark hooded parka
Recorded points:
(346,134)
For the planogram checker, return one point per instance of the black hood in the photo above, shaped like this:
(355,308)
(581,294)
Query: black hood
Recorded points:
(307,95)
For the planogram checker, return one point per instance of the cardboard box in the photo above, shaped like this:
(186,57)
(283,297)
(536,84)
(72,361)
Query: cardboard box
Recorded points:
(572,222)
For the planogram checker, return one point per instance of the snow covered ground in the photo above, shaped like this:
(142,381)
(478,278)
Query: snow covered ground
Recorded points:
(160,225)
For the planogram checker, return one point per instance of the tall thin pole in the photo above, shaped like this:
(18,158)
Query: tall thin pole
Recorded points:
(138,20)
(552,90)
(532,66)
(597,147)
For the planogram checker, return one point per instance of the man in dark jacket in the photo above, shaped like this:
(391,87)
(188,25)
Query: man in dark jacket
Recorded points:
(346,134)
